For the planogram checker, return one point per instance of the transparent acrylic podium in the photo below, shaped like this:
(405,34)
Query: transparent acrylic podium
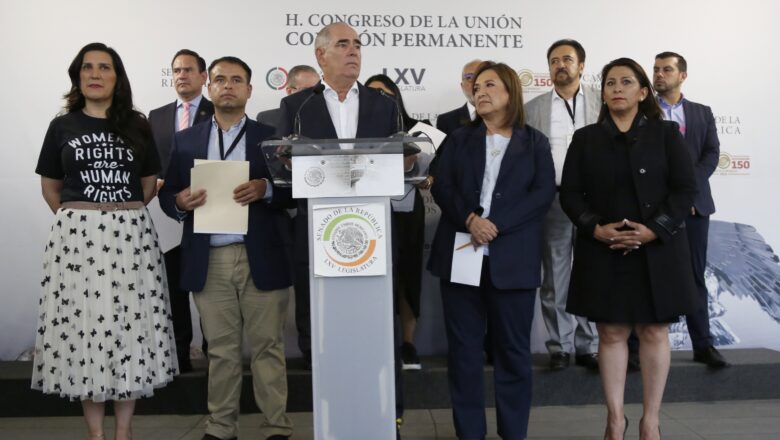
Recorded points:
(348,184)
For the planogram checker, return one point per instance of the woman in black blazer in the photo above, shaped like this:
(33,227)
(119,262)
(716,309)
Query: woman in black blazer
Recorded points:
(628,184)
(495,182)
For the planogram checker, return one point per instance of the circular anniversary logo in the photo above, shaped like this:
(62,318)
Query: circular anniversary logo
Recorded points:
(724,161)
(276,78)
(526,77)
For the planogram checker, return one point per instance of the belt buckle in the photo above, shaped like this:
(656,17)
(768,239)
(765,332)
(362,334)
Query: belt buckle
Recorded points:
(108,206)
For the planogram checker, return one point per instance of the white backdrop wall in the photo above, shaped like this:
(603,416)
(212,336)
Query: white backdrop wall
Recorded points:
(730,47)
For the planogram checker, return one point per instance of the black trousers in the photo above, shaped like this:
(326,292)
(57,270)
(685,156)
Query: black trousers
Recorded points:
(180,304)
(509,313)
(302,306)
(698,228)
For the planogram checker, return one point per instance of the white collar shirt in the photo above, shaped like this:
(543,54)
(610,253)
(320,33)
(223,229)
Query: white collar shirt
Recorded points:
(495,148)
(562,128)
(238,153)
(344,114)
(472,110)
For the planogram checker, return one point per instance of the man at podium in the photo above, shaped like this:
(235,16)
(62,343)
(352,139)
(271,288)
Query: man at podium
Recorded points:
(337,107)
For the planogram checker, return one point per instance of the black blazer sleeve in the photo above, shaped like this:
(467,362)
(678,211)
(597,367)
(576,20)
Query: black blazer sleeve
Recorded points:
(573,186)
(681,185)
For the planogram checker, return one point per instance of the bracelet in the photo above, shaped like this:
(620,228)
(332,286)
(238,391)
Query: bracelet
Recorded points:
(470,219)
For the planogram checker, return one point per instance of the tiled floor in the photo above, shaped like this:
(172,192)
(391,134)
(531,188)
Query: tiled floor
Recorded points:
(732,420)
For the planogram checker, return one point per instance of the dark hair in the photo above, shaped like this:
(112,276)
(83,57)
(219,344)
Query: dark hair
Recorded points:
(648,106)
(515,114)
(568,42)
(122,118)
(682,65)
(192,53)
(232,60)
(409,122)
(296,70)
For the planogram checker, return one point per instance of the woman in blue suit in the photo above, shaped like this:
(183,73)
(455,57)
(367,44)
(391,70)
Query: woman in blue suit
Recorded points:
(495,182)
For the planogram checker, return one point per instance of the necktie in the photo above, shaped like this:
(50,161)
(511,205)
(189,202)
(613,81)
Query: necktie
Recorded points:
(184,122)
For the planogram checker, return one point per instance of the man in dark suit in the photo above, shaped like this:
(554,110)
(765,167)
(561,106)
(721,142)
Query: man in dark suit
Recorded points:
(453,119)
(697,125)
(190,107)
(240,283)
(300,77)
(339,107)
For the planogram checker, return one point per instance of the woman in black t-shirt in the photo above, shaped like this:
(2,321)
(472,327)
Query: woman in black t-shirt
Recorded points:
(104,330)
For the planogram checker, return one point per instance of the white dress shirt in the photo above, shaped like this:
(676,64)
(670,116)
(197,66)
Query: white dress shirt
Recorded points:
(494,153)
(239,153)
(562,128)
(344,114)
(472,110)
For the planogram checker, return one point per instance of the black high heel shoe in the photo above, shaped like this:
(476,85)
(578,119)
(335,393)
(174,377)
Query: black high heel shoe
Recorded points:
(624,429)
(640,429)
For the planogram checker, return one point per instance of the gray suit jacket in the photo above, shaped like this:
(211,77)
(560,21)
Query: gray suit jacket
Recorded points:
(537,110)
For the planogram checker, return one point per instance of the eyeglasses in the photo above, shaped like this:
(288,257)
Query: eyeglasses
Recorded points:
(468,76)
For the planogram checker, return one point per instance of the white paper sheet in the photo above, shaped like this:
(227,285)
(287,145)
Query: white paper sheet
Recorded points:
(220,214)
(466,261)
(168,230)
(437,136)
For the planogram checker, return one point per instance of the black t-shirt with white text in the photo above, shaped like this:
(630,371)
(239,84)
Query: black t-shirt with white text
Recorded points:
(94,164)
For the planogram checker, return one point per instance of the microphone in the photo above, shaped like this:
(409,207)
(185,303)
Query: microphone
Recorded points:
(425,135)
(316,90)
(399,120)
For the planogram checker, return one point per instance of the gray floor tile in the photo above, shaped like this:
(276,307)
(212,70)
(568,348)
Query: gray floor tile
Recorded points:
(302,420)
(41,422)
(417,416)
(735,426)
(167,421)
(738,420)
(698,410)
(743,437)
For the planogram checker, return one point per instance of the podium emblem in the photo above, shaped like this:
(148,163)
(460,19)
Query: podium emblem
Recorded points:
(349,241)
(314,176)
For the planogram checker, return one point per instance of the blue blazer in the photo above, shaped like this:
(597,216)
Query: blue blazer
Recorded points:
(377,117)
(701,138)
(525,188)
(268,231)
